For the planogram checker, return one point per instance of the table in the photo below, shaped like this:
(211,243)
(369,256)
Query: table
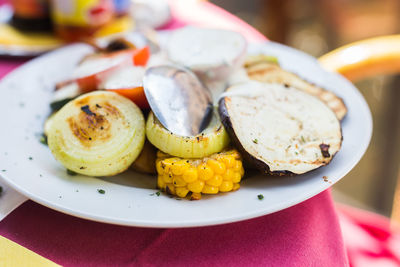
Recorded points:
(307,234)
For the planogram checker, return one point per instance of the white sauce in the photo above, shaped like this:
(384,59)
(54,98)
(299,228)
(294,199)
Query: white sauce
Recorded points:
(200,48)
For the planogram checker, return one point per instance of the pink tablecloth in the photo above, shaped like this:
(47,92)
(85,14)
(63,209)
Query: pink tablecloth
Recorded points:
(307,234)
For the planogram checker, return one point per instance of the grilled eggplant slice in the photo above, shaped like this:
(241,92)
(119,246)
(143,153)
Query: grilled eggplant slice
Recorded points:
(270,72)
(97,134)
(281,130)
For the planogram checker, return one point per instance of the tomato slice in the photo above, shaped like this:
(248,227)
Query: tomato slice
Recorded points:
(135,94)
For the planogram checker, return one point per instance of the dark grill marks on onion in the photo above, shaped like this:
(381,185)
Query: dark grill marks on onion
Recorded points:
(87,110)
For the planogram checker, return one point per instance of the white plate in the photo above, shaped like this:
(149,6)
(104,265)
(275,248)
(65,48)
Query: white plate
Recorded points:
(129,199)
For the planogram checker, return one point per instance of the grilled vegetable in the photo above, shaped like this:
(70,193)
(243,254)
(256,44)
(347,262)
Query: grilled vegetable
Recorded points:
(95,68)
(211,53)
(145,162)
(97,134)
(118,44)
(220,172)
(212,140)
(48,123)
(141,56)
(252,60)
(281,130)
(128,81)
(270,72)
(64,94)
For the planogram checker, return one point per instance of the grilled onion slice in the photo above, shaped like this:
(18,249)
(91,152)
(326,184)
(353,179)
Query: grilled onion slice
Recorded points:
(97,134)
(212,140)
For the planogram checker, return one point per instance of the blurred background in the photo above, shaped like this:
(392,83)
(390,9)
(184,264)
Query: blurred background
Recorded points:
(317,27)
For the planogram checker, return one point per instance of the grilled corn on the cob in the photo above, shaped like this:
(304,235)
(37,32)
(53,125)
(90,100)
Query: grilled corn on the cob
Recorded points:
(220,172)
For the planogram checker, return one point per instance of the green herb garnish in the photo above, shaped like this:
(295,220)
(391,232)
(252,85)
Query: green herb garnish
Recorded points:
(302,139)
(30,158)
(43,139)
(260,197)
(255,141)
(101,191)
(158,193)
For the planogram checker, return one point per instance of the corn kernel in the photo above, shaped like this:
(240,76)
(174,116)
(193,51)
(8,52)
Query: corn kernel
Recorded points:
(190,175)
(169,161)
(209,189)
(216,166)
(167,177)
(196,186)
(179,167)
(215,181)
(238,165)
(241,171)
(170,189)
(178,181)
(181,191)
(228,175)
(229,161)
(160,182)
(236,177)
(165,166)
(226,186)
(205,172)
(195,196)
(235,187)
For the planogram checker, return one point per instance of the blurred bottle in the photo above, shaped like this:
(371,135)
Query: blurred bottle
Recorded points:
(76,20)
(31,15)
(122,7)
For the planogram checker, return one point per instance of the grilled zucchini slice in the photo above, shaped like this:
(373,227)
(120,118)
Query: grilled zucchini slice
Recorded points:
(97,134)
(212,140)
